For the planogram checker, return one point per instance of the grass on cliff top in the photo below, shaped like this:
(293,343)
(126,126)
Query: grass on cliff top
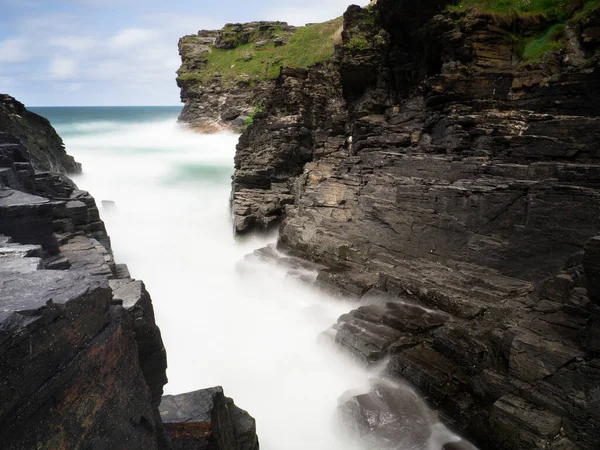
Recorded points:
(553,10)
(309,45)
(533,49)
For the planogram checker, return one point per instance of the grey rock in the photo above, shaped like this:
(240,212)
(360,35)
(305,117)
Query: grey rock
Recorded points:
(206,419)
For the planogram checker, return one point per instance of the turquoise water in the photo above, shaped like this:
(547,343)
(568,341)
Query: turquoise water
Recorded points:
(83,119)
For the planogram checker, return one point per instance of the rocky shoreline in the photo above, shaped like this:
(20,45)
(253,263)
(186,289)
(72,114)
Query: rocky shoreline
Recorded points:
(82,362)
(452,186)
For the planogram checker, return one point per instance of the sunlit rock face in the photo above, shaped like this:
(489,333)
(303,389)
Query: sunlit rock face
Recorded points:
(429,164)
(211,102)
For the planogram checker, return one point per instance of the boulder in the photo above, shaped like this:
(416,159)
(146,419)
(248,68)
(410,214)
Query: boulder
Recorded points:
(207,420)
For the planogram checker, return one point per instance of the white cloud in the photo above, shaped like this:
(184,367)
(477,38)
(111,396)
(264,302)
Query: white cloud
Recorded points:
(73,43)
(94,61)
(297,12)
(63,69)
(14,51)
(181,24)
(131,37)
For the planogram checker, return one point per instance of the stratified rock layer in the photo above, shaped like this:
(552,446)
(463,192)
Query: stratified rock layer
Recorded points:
(82,362)
(207,420)
(455,188)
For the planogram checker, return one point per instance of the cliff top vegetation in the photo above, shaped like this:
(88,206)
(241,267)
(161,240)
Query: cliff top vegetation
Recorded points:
(256,60)
(556,14)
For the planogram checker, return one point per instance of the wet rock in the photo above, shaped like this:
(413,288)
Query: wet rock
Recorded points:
(393,416)
(89,255)
(428,162)
(373,331)
(134,297)
(78,369)
(27,219)
(520,424)
(69,357)
(206,419)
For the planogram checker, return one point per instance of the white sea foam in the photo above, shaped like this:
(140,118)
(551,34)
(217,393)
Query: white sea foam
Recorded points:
(224,320)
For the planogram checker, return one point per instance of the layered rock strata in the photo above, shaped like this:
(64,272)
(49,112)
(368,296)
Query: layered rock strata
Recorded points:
(82,362)
(453,186)
(207,420)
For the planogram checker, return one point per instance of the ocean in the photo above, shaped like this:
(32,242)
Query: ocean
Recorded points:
(226,319)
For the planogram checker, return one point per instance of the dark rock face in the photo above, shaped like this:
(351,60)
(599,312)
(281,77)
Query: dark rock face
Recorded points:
(393,416)
(45,147)
(70,370)
(426,165)
(207,420)
(82,362)
(209,103)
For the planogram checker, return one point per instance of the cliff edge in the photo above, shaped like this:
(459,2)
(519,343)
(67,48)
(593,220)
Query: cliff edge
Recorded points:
(226,74)
(82,362)
(46,148)
(444,165)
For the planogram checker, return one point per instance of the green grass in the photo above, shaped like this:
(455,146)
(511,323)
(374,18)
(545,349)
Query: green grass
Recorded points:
(553,10)
(357,43)
(258,107)
(309,45)
(557,14)
(534,48)
(588,8)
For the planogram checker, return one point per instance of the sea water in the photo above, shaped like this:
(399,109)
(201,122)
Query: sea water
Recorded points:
(225,319)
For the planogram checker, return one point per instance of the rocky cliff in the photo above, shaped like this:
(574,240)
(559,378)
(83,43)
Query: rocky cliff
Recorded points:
(444,166)
(46,148)
(226,74)
(82,362)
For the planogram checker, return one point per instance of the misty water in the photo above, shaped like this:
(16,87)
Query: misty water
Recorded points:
(225,319)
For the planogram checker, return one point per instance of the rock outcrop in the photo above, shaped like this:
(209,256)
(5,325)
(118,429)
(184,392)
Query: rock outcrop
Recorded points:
(453,185)
(207,420)
(46,148)
(210,102)
(82,362)
(226,74)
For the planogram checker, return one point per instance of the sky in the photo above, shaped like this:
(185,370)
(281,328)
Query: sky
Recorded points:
(118,52)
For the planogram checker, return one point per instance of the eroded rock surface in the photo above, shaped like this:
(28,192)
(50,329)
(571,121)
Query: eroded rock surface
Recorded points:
(82,360)
(207,420)
(428,165)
